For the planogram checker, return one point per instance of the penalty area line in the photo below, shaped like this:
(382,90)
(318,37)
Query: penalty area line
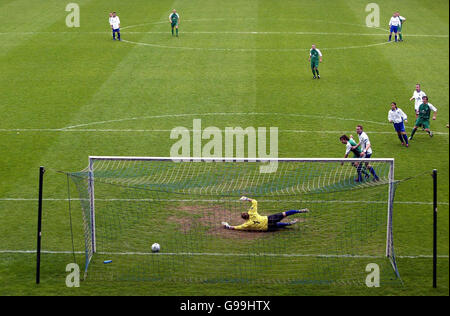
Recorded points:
(250,49)
(228,32)
(224,114)
(78,127)
(110,130)
(83,127)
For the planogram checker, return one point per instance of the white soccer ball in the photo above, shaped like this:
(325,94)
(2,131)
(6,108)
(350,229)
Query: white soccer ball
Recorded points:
(156,247)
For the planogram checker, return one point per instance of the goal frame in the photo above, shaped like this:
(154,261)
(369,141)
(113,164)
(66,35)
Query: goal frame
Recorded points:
(391,189)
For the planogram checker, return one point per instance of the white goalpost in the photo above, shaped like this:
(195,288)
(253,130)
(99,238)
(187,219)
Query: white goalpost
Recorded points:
(130,202)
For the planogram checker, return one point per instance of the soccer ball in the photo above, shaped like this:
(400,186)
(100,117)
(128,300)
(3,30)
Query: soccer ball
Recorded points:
(155,247)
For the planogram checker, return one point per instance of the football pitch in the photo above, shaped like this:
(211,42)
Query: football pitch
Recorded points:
(71,92)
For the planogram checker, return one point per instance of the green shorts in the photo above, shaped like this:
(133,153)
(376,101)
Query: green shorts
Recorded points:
(173,24)
(422,123)
(314,63)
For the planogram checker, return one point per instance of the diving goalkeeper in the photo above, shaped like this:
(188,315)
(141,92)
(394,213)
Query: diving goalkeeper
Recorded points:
(256,222)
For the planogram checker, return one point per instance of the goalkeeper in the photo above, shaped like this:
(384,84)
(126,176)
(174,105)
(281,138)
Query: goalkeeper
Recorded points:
(256,222)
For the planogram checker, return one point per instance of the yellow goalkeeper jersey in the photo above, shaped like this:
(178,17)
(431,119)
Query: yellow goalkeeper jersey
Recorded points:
(256,221)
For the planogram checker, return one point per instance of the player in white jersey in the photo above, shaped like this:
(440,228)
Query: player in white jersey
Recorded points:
(364,142)
(349,142)
(115,25)
(394,24)
(417,97)
(366,149)
(398,118)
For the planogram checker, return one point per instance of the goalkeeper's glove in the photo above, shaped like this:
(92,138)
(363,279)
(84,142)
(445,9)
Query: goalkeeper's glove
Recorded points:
(226,225)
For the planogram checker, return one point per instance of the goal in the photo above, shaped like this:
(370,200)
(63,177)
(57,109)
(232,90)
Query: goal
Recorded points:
(129,203)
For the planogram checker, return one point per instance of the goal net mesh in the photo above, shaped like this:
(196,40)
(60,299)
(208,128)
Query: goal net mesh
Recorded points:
(130,203)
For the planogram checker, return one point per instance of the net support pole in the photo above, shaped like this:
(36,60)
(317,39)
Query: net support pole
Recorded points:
(92,204)
(434,228)
(389,232)
(39,225)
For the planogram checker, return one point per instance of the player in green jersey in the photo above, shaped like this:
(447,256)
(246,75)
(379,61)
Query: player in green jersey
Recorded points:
(350,143)
(402,20)
(315,56)
(174,19)
(424,117)
(351,146)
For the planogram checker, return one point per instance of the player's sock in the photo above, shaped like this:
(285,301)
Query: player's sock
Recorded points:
(405,137)
(313,71)
(372,171)
(412,133)
(172,31)
(177,32)
(118,35)
(291,212)
(363,170)
(396,38)
(358,171)
(317,71)
(400,136)
(359,175)
(281,224)
(390,37)
(401,36)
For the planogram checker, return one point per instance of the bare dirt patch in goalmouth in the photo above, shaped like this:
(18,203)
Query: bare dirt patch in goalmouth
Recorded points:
(210,217)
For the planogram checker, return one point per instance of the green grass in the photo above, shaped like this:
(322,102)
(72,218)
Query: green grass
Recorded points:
(54,77)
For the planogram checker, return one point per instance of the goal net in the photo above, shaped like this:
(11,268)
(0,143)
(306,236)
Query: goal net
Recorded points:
(129,203)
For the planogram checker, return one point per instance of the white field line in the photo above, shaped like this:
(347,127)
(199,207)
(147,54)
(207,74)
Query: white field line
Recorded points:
(291,33)
(216,200)
(225,114)
(229,49)
(221,254)
(249,18)
(76,128)
(230,32)
(243,33)
(109,130)
(223,49)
